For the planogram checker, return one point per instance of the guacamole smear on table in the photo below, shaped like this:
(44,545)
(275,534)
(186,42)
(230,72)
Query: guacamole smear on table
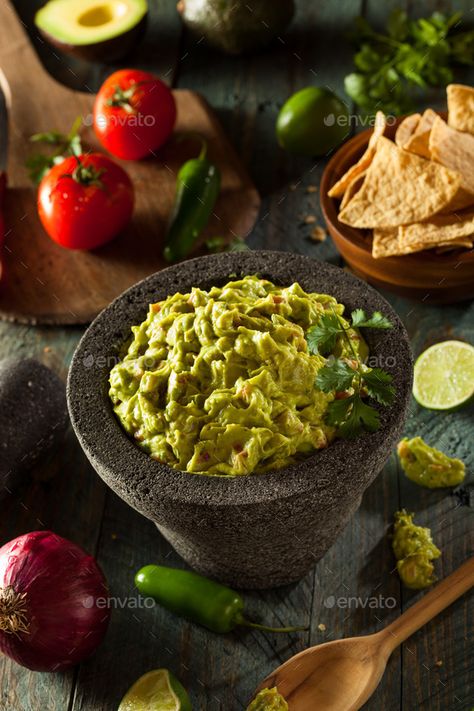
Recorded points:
(221,382)
(414,550)
(268,700)
(428,466)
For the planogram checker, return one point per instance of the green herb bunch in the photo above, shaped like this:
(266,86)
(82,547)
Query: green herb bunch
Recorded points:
(351,414)
(64,145)
(411,53)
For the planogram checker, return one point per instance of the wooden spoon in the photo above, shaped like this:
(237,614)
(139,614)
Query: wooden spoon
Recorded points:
(342,675)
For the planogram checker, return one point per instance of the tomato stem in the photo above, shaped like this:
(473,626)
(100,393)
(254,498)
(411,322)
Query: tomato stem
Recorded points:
(86,174)
(13,611)
(122,98)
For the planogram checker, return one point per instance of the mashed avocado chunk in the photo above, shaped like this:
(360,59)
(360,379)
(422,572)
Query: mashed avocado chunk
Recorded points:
(221,381)
(414,550)
(428,466)
(268,700)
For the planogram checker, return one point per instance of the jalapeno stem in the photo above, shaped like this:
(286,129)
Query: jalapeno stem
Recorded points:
(243,622)
(195,136)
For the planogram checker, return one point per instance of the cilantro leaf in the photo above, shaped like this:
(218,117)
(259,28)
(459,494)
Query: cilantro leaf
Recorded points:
(397,25)
(377,320)
(336,375)
(367,59)
(65,145)
(361,417)
(54,138)
(378,385)
(352,416)
(338,411)
(462,47)
(322,337)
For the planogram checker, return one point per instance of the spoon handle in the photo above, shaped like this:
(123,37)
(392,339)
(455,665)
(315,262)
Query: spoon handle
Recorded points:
(431,604)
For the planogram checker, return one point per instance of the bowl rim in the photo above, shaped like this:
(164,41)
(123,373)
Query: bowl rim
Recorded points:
(354,147)
(111,450)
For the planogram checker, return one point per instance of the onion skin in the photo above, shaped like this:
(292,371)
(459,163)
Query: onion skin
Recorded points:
(61,585)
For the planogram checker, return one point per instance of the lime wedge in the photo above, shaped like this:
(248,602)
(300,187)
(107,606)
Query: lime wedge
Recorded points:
(158,690)
(444,375)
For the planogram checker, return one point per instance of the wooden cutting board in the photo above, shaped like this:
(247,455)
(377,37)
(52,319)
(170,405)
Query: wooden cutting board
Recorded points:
(44,283)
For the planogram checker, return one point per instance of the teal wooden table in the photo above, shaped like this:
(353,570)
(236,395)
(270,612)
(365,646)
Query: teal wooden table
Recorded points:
(354,589)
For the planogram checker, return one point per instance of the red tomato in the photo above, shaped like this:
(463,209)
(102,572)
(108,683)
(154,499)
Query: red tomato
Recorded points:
(134,114)
(85,202)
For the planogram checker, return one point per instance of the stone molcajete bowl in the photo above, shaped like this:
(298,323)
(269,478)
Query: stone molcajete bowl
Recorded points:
(250,531)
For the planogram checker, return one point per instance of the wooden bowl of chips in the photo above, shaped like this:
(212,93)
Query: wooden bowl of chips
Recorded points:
(432,275)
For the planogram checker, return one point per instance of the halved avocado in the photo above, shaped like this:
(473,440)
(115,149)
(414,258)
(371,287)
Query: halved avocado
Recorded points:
(103,30)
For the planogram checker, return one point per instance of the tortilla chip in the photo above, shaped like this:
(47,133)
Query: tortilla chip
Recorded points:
(386,243)
(419,142)
(442,246)
(406,129)
(353,187)
(457,244)
(461,107)
(454,150)
(462,200)
(399,188)
(442,228)
(339,188)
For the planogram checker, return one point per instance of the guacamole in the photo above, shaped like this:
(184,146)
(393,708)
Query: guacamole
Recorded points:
(221,381)
(268,700)
(428,466)
(414,550)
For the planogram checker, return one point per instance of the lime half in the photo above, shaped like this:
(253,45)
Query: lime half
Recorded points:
(444,375)
(158,690)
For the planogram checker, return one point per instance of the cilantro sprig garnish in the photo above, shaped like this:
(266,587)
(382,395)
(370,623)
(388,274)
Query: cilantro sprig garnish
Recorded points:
(377,320)
(409,54)
(64,145)
(349,378)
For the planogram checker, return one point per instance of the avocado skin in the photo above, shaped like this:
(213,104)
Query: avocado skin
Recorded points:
(106,51)
(230,26)
(33,417)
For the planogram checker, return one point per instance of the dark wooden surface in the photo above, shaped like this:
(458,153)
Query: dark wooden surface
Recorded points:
(434,671)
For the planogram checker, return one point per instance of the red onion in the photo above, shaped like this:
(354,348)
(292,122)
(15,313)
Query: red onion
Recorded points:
(53,602)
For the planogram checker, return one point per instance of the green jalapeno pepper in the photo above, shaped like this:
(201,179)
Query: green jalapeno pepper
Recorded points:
(197,188)
(198,599)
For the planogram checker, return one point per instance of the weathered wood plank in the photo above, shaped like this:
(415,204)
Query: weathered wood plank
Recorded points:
(449,638)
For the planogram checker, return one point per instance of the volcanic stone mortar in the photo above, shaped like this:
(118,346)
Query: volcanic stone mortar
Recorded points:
(254,531)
